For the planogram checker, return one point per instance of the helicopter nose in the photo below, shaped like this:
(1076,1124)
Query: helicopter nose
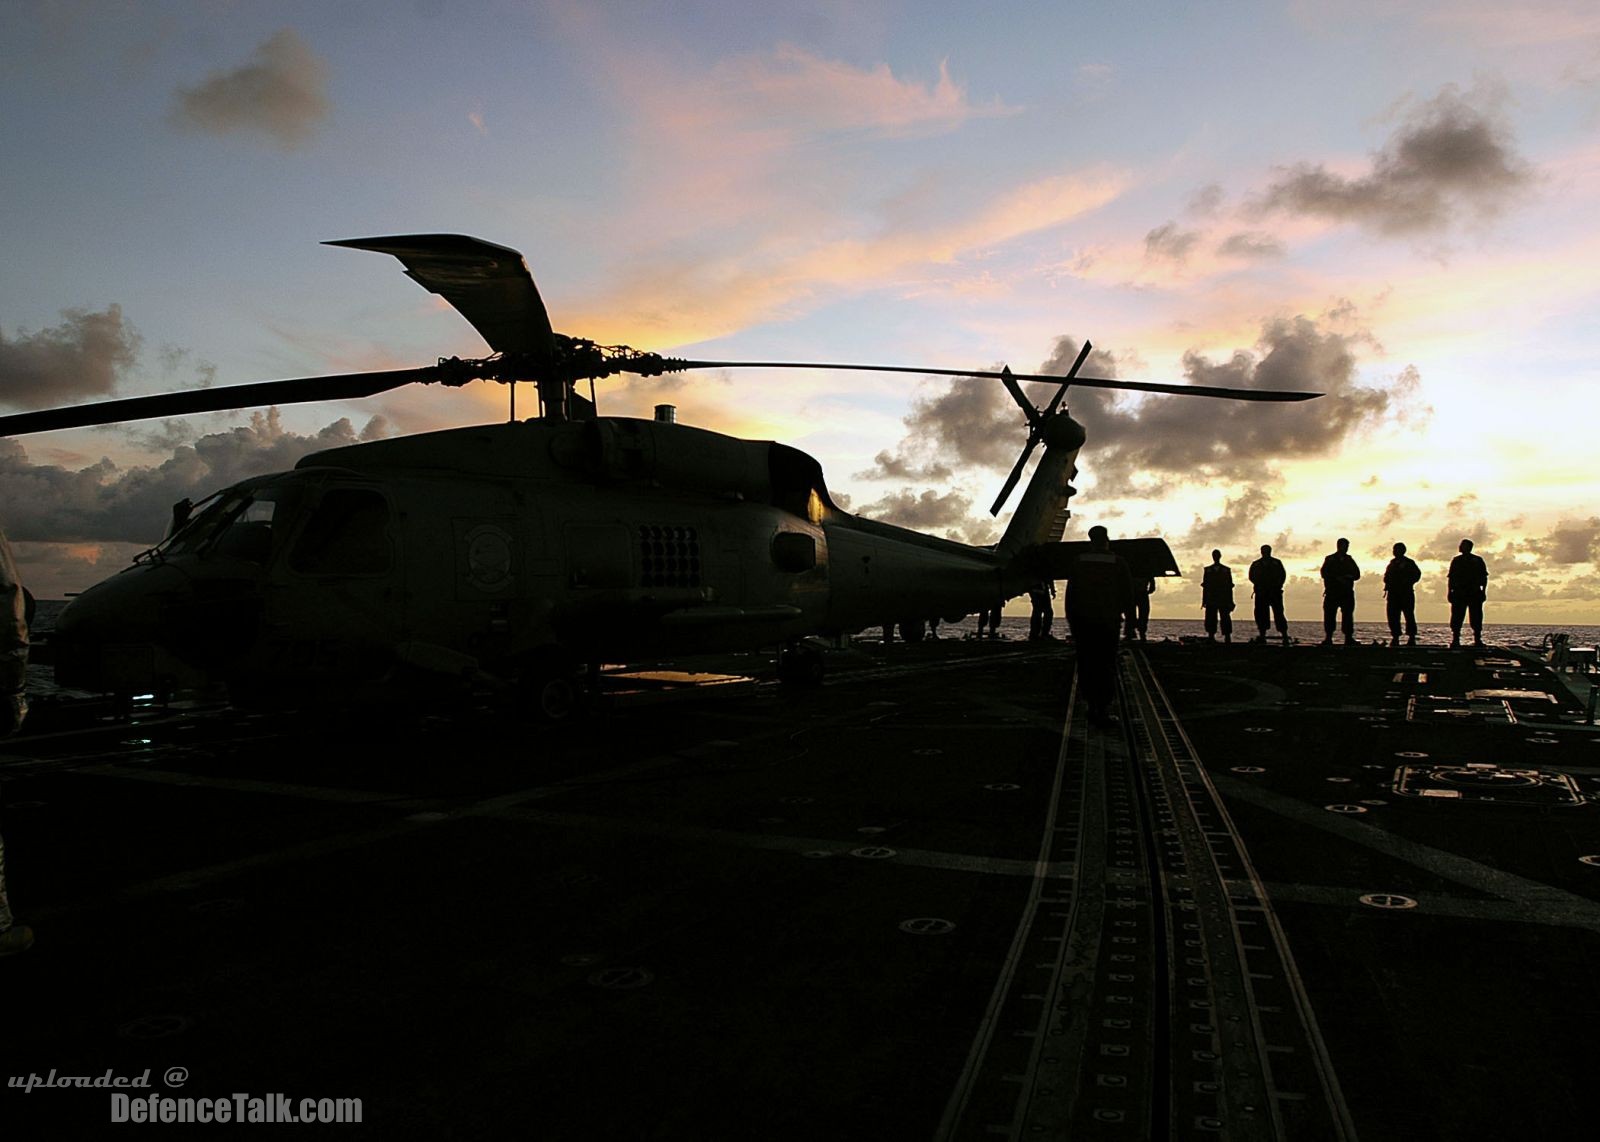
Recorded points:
(108,639)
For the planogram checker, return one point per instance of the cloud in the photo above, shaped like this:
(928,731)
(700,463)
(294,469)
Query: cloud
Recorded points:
(890,467)
(759,136)
(751,167)
(1445,543)
(679,301)
(1207,201)
(924,512)
(1409,407)
(972,421)
(795,92)
(55,570)
(1286,545)
(1146,446)
(1452,157)
(1239,522)
(104,504)
(1252,245)
(280,93)
(1569,542)
(1159,441)
(173,360)
(1170,243)
(1390,514)
(84,356)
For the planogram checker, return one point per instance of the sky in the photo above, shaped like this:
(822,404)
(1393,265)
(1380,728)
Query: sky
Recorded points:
(1395,204)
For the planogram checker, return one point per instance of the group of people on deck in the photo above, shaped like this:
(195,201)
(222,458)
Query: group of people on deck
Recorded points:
(1467,581)
(1102,601)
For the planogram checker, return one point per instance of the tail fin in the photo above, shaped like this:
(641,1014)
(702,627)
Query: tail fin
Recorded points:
(1041,517)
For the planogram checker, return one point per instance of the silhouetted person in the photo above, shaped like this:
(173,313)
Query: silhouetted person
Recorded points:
(1267,576)
(1216,595)
(933,627)
(14,937)
(1339,575)
(1044,612)
(1099,595)
(1468,583)
(1139,620)
(994,619)
(1400,589)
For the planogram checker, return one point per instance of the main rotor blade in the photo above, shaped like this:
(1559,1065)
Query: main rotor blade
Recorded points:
(1066,383)
(1087,382)
(345,386)
(487,284)
(1019,396)
(1016,474)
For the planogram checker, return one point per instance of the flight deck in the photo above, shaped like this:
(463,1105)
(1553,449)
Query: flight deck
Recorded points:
(1297,893)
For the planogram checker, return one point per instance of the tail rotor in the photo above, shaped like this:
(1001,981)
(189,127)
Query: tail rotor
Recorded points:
(1038,421)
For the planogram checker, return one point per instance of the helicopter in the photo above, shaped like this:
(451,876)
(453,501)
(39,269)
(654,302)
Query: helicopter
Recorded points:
(519,556)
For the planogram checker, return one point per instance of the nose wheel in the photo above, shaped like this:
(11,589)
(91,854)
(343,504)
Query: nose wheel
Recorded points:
(550,687)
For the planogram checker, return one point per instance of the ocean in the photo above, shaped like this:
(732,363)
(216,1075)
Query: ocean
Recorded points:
(1429,634)
(41,680)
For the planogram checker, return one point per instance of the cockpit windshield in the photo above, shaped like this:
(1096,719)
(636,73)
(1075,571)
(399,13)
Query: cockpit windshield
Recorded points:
(239,523)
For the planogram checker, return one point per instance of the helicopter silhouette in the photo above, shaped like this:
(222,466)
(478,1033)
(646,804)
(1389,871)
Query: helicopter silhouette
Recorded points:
(519,556)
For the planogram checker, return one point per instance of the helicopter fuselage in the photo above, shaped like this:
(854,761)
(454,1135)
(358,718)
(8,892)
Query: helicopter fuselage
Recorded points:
(498,549)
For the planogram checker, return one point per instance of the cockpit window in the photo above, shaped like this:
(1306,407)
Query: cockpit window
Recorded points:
(347,534)
(207,518)
(248,535)
(237,524)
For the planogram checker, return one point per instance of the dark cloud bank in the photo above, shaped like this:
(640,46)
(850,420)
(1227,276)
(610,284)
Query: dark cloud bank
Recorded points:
(1147,446)
(102,503)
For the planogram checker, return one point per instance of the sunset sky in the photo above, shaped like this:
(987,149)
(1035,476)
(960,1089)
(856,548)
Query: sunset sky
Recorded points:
(1396,204)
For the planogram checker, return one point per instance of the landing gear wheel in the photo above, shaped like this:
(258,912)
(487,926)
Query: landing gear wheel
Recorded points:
(549,688)
(554,698)
(912,630)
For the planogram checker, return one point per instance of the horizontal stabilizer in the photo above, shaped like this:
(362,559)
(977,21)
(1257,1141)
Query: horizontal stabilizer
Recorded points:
(1148,557)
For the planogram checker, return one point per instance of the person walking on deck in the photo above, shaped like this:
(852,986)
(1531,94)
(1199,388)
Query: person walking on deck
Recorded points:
(1099,597)
(1044,611)
(1139,618)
